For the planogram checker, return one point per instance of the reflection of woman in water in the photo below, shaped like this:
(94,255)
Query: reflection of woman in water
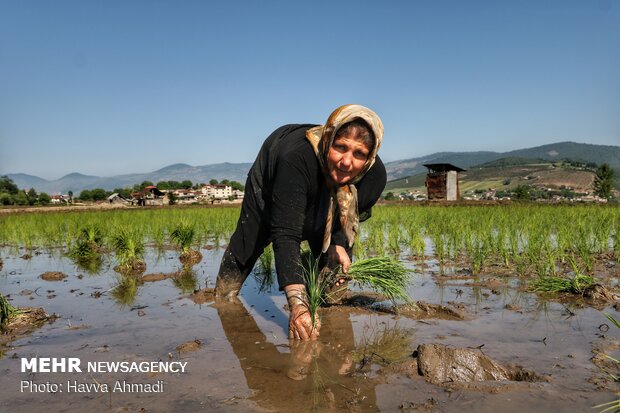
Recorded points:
(309,182)
(314,376)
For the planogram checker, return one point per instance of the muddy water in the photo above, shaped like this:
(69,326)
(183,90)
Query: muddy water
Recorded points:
(239,358)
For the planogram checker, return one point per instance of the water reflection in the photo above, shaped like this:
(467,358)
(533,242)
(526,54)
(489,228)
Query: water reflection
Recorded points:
(185,279)
(125,291)
(300,376)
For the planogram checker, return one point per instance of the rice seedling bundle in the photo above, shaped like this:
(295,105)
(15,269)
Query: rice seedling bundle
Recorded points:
(316,285)
(575,285)
(183,236)
(383,274)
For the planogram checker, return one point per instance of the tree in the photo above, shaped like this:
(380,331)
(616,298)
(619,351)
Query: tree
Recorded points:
(70,193)
(390,196)
(44,199)
(187,184)
(236,185)
(213,182)
(8,186)
(32,196)
(140,187)
(99,194)
(603,181)
(21,198)
(86,195)
(6,199)
(161,185)
(522,192)
(123,192)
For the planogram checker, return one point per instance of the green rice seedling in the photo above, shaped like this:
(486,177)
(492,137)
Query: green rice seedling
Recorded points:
(384,274)
(89,244)
(574,285)
(183,236)
(316,284)
(440,249)
(129,248)
(394,240)
(7,311)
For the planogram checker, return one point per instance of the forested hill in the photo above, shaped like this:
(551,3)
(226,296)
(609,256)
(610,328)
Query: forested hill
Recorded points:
(582,152)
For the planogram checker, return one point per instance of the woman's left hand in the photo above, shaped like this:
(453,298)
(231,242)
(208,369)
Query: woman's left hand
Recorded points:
(337,255)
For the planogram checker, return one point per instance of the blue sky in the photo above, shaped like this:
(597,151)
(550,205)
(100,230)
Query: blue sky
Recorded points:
(113,87)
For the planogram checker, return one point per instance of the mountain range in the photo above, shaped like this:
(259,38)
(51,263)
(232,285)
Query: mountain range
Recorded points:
(77,182)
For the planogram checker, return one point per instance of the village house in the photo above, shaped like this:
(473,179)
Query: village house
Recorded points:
(59,199)
(148,196)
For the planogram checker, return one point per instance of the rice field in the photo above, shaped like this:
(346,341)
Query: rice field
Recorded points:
(526,239)
(528,284)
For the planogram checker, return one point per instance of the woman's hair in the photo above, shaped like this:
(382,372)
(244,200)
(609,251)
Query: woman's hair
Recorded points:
(359,130)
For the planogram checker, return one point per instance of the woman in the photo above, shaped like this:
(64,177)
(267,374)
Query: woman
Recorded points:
(309,182)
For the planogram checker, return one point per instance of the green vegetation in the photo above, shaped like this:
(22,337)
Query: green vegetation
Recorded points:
(603,181)
(11,195)
(384,274)
(7,311)
(183,236)
(316,285)
(524,238)
(552,284)
(88,245)
(129,248)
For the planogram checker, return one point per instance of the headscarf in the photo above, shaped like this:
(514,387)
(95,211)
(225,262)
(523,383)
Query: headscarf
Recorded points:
(343,196)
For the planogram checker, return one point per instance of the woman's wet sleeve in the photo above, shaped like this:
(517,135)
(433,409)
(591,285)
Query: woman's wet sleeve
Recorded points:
(289,199)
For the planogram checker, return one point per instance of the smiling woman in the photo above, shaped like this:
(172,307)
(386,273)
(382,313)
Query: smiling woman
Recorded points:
(312,183)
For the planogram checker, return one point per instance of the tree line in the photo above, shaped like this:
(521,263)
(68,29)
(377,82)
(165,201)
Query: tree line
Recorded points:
(10,194)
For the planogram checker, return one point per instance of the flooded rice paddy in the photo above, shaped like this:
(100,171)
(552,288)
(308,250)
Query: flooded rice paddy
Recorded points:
(238,357)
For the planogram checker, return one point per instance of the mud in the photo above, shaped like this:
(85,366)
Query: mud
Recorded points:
(190,257)
(189,346)
(440,364)
(23,324)
(53,276)
(421,310)
(149,278)
(134,268)
(203,296)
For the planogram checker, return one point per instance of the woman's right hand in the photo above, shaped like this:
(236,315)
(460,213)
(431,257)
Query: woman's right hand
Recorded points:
(300,326)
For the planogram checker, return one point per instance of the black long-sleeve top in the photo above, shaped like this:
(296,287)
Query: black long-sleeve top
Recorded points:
(288,185)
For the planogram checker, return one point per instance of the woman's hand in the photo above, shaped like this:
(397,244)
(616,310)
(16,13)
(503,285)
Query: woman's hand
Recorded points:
(300,321)
(337,255)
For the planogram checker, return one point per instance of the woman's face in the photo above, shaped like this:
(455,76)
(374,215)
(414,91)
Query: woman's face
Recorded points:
(346,158)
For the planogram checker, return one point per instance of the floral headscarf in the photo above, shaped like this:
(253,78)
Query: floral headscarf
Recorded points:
(343,196)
